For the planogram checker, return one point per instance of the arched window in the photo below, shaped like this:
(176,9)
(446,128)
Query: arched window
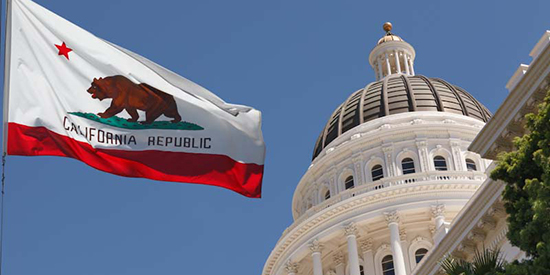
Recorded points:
(361,270)
(349,182)
(408,166)
(471,165)
(387,265)
(419,254)
(327,195)
(377,172)
(440,163)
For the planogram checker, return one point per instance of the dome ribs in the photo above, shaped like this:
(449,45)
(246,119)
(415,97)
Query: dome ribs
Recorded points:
(440,107)
(384,107)
(344,107)
(484,116)
(398,94)
(398,100)
(410,94)
(350,114)
(450,97)
(362,103)
(330,127)
(371,107)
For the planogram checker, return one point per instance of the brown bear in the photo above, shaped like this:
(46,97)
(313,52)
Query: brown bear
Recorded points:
(131,97)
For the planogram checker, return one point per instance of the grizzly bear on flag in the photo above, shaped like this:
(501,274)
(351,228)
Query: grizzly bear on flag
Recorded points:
(131,97)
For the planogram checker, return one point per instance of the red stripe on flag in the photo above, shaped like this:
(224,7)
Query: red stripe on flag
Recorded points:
(218,170)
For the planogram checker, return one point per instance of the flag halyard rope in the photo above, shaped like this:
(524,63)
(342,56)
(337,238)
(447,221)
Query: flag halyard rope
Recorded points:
(2,212)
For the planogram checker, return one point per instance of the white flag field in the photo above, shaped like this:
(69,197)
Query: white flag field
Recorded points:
(69,93)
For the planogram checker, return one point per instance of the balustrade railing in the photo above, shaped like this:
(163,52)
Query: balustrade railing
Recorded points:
(460,176)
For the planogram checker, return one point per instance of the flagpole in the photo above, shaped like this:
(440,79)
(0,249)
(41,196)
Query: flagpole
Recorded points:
(7,62)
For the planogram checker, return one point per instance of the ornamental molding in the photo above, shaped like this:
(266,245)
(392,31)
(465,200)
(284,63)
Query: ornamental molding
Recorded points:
(399,126)
(465,222)
(299,231)
(499,238)
(366,245)
(315,246)
(331,272)
(350,229)
(387,149)
(432,229)
(403,234)
(392,217)
(496,211)
(418,239)
(438,210)
(338,258)
(422,144)
(291,267)
(382,247)
(476,236)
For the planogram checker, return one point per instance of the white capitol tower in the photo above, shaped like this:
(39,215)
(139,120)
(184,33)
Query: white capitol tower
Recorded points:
(390,170)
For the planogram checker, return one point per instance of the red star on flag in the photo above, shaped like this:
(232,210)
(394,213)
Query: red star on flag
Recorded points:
(63,50)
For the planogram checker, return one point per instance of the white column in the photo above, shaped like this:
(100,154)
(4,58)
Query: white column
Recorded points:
(397,65)
(358,169)
(339,262)
(388,64)
(291,268)
(405,57)
(438,213)
(457,155)
(404,246)
(353,254)
(368,257)
(380,73)
(316,196)
(425,162)
(390,164)
(398,260)
(412,66)
(316,248)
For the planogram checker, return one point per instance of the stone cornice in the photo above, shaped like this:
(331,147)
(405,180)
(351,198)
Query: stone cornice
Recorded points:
(532,82)
(463,224)
(300,233)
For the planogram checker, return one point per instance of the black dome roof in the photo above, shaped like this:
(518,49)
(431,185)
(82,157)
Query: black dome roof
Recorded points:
(399,94)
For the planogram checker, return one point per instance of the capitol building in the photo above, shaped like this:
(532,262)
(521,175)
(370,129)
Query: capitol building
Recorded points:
(399,175)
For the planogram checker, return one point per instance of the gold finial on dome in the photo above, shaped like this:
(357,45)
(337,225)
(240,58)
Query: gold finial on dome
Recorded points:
(387,26)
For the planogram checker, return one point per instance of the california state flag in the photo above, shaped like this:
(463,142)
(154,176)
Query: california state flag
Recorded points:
(69,93)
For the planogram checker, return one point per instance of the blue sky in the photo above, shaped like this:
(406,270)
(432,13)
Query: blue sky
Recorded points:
(296,61)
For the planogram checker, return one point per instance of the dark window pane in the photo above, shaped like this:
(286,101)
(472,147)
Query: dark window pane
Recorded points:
(440,163)
(377,172)
(387,265)
(419,254)
(327,195)
(471,165)
(349,182)
(408,166)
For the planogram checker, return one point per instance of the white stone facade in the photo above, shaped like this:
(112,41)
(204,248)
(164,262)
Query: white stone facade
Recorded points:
(406,214)
(355,229)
